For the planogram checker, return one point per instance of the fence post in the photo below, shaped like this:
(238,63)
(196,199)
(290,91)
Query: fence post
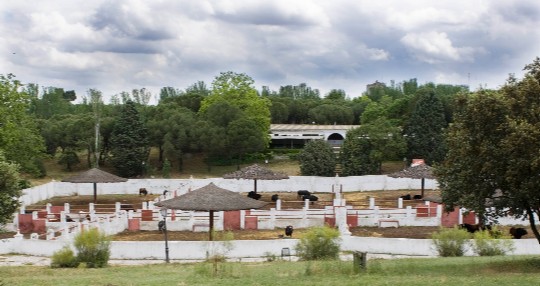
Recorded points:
(359,261)
(400,203)
(371,203)
(117,207)
(278,204)
(67,208)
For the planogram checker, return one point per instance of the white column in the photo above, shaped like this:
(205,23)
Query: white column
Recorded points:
(371,203)
(341,220)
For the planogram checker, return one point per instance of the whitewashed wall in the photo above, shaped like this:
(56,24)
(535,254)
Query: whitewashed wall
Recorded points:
(181,186)
(196,250)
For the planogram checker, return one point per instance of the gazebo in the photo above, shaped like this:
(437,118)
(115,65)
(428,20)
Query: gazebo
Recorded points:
(421,171)
(95,176)
(211,198)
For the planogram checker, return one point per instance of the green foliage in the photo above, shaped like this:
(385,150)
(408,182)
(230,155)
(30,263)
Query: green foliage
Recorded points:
(451,242)
(237,90)
(319,243)
(487,244)
(366,147)
(493,153)
(424,131)
(69,158)
(331,114)
(10,189)
(166,170)
(64,258)
(20,140)
(129,142)
(93,248)
(317,159)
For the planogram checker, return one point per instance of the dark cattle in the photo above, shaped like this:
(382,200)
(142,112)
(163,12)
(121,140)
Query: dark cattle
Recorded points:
(289,230)
(311,198)
(69,219)
(275,197)
(143,192)
(302,193)
(253,195)
(165,192)
(517,232)
(406,197)
(417,197)
(472,228)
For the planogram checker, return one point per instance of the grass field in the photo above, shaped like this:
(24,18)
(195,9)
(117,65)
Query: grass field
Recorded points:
(501,270)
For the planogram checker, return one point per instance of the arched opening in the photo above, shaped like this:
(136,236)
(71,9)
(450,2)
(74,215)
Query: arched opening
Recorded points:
(335,139)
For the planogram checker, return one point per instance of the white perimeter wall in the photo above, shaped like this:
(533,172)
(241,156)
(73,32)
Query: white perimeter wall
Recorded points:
(196,250)
(181,186)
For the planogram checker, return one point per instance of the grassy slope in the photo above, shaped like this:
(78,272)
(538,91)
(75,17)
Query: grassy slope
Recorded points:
(193,166)
(501,270)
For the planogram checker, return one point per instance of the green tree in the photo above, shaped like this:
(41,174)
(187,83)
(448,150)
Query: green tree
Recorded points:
(424,131)
(129,142)
(245,138)
(493,157)
(366,147)
(331,114)
(10,190)
(237,90)
(317,159)
(20,140)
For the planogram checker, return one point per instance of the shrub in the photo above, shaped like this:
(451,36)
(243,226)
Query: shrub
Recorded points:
(92,248)
(319,243)
(64,258)
(451,241)
(486,244)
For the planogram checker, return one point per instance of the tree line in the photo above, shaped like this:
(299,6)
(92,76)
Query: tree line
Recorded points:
(229,122)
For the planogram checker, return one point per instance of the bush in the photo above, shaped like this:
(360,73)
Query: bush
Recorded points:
(451,241)
(319,243)
(486,244)
(64,258)
(92,248)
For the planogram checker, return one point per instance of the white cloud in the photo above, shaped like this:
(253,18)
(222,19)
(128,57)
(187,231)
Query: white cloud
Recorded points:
(435,47)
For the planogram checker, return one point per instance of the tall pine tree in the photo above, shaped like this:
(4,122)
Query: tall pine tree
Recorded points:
(424,133)
(129,142)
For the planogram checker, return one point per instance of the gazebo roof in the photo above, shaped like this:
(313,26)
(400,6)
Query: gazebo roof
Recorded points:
(421,171)
(211,198)
(95,176)
(256,172)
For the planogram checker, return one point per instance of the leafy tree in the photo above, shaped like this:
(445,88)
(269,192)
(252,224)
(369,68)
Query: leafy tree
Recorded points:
(367,146)
(244,138)
(237,90)
(129,142)
(317,159)
(331,114)
(20,140)
(493,157)
(425,129)
(10,190)
(336,95)
(279,110)
(54,101)
(301,91)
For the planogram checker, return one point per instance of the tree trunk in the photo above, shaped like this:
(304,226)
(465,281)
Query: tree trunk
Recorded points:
(534,229)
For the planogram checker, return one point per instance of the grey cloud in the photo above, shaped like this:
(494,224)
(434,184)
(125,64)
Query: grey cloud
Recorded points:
(116,18)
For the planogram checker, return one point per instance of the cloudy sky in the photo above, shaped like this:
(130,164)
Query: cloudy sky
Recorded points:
(118,45)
